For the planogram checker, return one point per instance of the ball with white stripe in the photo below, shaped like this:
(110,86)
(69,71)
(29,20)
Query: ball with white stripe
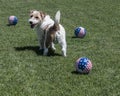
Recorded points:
(12,20)
(80,32)
(83,65)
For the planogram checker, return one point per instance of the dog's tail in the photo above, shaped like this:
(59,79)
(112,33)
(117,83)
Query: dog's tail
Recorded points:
(57,18)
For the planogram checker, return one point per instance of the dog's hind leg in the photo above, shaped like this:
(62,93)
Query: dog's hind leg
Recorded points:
(64,48)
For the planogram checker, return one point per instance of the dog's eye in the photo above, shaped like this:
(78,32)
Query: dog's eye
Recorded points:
(36,17)
(31,16)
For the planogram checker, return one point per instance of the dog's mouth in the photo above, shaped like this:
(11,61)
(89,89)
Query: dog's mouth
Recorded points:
(32,25)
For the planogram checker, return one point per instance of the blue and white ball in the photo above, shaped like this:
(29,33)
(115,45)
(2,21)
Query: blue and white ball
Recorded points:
(83,65)
(80,32)
(12,20)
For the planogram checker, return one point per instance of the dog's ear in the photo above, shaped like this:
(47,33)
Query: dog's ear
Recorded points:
(42,14)
(31,11)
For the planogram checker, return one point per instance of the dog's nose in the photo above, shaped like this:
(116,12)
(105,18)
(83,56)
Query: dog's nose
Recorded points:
(31,22)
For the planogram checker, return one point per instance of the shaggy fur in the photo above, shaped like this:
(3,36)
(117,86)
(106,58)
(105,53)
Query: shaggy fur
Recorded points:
(48,31)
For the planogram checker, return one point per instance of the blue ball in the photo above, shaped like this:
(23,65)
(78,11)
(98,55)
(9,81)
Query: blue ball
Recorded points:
(13,20)
(80,32)
(83,65)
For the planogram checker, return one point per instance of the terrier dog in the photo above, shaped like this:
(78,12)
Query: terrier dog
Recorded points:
(48,31)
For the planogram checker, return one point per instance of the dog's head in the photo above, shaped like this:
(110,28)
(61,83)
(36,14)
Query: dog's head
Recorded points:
(36,17)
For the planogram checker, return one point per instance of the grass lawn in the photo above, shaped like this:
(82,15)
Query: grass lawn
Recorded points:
(25,72)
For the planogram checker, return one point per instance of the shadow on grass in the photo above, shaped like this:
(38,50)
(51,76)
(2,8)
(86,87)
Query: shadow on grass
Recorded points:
(36,50)
(10,25)
(77,37)
(74,37)
(31,48)
(77,73)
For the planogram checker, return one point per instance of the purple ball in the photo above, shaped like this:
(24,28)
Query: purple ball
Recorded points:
(83,65)
(12,20)
(80,32)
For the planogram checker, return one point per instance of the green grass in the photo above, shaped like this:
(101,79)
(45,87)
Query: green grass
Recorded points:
(25,72)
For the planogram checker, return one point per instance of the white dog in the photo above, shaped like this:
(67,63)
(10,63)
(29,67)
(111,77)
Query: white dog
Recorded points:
(48,31)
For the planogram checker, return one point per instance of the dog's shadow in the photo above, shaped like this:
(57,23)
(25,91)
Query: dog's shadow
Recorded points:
(36,50)
(30,48)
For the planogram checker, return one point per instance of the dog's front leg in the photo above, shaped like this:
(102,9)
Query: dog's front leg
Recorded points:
(40,39)
(45,44)
(45,49)
(53,46)
(42,43)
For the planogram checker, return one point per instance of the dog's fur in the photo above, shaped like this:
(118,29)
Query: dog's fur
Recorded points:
(48,31)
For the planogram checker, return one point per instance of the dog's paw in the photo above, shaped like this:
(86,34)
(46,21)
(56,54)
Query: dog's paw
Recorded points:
(64,53)
(45,52)
(51,52)
(41,49)
(53,48)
